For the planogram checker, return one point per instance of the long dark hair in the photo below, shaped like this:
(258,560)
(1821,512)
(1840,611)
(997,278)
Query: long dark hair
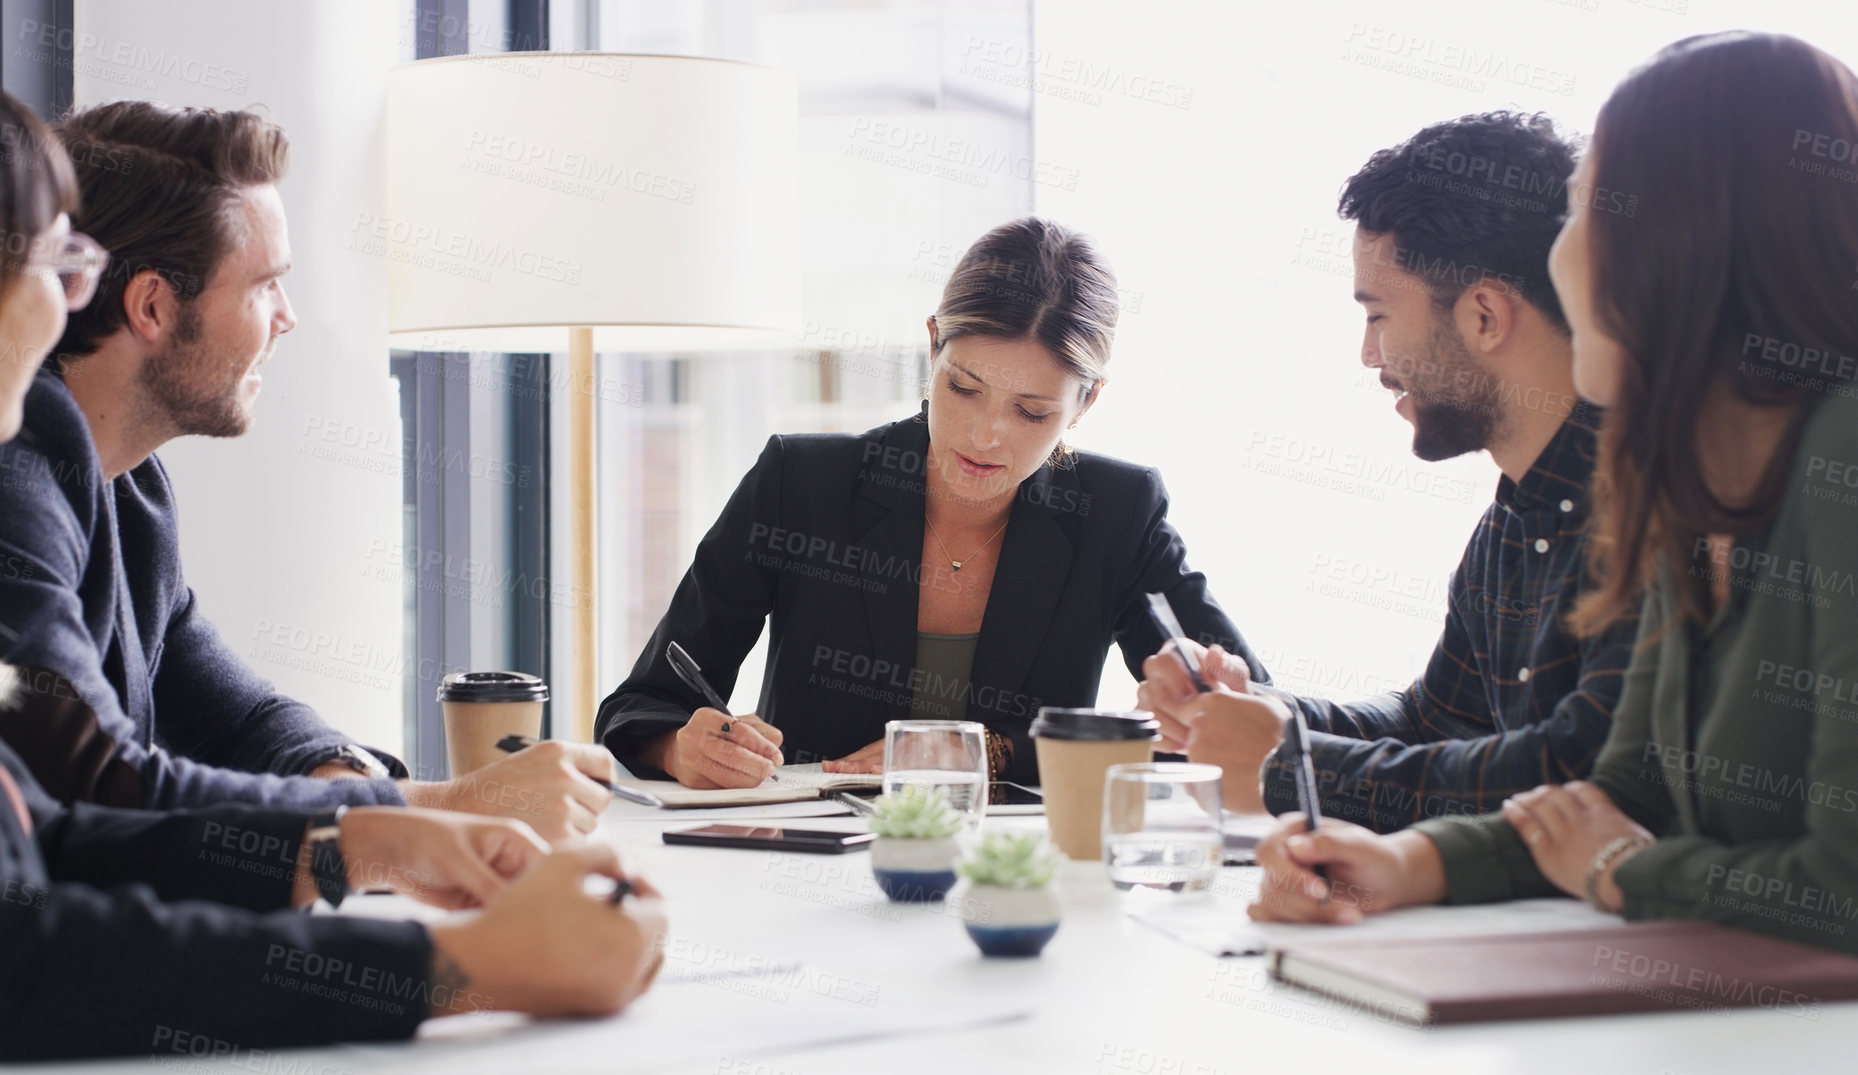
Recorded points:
(36,184)
(1724,237)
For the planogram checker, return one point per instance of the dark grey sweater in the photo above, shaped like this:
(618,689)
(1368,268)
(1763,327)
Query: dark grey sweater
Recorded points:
(143,932)
(91,588)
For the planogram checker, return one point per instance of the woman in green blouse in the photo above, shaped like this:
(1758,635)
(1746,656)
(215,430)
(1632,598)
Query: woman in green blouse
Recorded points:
(1709,269)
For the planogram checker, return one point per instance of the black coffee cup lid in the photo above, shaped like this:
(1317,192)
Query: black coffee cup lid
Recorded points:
(1094,724)
(492,687)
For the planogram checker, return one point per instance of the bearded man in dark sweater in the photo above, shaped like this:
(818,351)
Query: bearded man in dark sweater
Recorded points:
(191,306)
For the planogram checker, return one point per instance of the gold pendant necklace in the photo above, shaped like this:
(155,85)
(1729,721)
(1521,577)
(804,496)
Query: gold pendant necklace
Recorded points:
(952,562)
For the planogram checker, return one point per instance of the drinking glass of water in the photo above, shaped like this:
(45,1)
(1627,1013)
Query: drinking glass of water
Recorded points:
(1161,828)
(946,754)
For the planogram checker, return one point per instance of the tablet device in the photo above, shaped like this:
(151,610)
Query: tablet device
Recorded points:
(772,838)
(999,793)
(1006,799)
(1007,793)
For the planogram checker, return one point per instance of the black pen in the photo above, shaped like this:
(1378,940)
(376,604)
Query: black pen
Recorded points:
(620,891)
(1163,614)
(686,668)
(1296,743)
(510,744)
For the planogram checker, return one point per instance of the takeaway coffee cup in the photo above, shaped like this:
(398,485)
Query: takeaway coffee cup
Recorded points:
(483,707)
(1076,748)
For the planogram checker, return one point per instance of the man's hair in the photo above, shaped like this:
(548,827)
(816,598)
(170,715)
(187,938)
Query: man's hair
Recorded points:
(1469,199)
(173,211)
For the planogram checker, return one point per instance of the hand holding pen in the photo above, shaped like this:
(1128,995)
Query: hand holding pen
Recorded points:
(716,748)
(1296,753)
(1339,872)
(1172,635)
(511,744)
(1179,676)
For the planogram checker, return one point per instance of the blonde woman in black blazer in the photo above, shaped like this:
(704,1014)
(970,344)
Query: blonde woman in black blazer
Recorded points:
(959,564)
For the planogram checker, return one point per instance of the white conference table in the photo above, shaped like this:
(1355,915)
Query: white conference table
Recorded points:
(772,954)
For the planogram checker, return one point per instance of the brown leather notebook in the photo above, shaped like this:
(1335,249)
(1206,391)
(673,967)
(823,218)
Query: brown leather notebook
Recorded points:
(1639,967)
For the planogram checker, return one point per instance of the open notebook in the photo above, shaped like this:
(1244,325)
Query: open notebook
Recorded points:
(790,784)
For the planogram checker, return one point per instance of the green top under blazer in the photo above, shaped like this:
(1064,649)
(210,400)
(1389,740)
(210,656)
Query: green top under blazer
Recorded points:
(1736,744)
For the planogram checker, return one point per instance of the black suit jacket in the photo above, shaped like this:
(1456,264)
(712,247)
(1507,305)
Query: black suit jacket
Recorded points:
(108,944)
(823,540)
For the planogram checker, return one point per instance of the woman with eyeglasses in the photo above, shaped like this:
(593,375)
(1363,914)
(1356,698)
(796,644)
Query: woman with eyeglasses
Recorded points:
(1709,270)
(49,269)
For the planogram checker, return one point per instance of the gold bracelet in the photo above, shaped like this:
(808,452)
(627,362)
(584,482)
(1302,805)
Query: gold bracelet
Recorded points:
(999,754)
(1604,858)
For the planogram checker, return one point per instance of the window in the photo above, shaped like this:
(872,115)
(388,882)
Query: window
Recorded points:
(881,230)
(1206,153)
(884,96)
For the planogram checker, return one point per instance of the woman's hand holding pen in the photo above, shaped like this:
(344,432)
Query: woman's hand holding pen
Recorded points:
(1368,873)
(702,755)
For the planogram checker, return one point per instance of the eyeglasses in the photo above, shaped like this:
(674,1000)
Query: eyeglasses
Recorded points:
(78,264)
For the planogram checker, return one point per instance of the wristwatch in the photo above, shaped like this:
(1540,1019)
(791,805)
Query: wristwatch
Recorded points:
(359,760)
(328,869)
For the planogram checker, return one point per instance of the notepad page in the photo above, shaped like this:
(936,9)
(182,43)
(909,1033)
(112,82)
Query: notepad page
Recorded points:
(815,776)
(792,783)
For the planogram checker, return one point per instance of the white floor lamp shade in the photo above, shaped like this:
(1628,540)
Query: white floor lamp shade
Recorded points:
(604,202)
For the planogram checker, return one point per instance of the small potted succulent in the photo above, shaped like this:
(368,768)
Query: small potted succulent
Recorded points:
(1005,895)
(913,856)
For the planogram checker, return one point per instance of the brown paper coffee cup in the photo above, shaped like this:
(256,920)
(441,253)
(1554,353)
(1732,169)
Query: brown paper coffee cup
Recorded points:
(482,707)
(1076,748)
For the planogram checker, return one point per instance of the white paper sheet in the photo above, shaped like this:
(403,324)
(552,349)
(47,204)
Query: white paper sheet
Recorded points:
(704,1021)
(619,811)
(1220,926)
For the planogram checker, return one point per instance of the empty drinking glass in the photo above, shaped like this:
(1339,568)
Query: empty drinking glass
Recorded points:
(1161,826)
(946,754)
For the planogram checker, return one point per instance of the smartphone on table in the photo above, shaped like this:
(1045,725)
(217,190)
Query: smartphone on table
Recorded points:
(772,838)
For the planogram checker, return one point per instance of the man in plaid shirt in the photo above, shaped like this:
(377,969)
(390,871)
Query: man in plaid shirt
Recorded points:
(1453,230)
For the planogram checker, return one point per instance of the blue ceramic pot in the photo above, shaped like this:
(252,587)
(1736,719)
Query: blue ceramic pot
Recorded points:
(1012,940)
(914,871)
(1008,921)
(914,886)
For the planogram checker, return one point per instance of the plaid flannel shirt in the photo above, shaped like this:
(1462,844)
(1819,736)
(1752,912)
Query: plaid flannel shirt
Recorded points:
(1510,699)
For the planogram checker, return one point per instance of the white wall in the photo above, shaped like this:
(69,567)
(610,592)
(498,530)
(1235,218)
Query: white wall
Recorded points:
(1205,147)
(289,550)
(1219,217)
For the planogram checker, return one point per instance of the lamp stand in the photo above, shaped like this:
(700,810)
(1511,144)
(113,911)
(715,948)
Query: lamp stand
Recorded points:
(582,510)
